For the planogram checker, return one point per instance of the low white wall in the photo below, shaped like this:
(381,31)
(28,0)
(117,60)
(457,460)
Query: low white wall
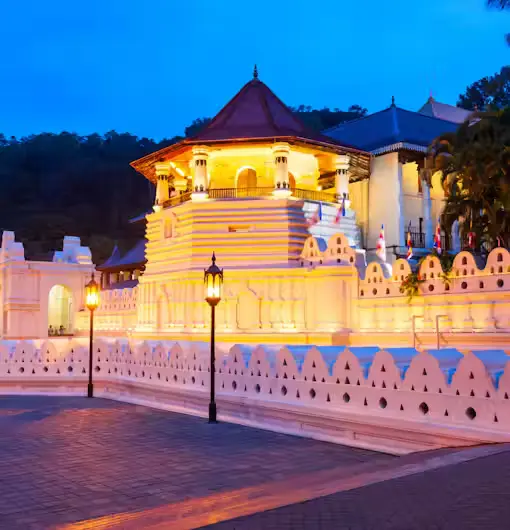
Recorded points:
(396,400)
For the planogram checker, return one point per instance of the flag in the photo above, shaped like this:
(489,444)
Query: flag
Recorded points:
(381,245)
(409,244)
(316,217)
(471,240)
(340,212)
(437,238)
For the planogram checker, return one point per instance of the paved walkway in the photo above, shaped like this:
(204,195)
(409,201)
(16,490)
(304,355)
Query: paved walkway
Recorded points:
(73,463)
(64,460)
(469,496)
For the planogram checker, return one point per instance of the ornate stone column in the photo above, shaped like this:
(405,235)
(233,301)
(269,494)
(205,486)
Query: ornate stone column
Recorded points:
(200,178)
(162,190)
(342,163)
(281,173)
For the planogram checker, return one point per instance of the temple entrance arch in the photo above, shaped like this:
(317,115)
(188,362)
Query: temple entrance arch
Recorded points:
(60,310)
(246,181)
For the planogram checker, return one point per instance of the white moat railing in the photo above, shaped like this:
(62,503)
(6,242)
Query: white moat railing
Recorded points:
(396,400)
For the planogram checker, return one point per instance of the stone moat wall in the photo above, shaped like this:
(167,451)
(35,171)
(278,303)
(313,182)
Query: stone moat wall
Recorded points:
(395,400)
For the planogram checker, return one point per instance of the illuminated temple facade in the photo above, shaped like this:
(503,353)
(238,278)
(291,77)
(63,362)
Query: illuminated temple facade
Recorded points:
(293,217)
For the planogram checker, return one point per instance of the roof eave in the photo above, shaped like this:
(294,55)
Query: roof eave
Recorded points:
(399,146)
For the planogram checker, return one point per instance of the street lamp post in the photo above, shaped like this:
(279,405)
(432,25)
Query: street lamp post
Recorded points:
(213,281)
(92,302)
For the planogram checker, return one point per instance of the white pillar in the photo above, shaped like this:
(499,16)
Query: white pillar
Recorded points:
(281,172)
(342,178)
(401,239)
(427,210)
(200,177)
(162,193)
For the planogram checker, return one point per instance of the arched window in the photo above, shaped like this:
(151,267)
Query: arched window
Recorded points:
(246,181)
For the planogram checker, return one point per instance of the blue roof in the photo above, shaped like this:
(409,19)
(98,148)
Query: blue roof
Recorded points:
(135,256)
(391,126)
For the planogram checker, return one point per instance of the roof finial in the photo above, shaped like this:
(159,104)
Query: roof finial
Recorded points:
(431,97)
(213,258)
(255,72)
(393,101)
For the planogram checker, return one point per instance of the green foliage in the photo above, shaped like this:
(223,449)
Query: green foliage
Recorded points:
(411,286)
(53,185)
(489,93)
(196,126)
(322,119)
(475,167)
(501,4)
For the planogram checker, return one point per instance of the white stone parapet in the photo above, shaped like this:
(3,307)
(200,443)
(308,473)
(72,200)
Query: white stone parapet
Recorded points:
(396,400)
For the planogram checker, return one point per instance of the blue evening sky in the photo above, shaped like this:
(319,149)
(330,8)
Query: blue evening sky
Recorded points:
(150,67)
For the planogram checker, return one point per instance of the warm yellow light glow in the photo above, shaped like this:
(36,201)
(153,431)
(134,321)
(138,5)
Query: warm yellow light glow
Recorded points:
(180,171)
(92,294)
(212,287)
(213,280)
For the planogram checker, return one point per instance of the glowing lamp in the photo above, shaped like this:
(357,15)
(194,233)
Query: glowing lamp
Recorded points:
(92,294)
(213,281)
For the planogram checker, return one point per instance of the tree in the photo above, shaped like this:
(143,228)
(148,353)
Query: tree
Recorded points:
(325,118)
(196,126)
(475,167)
(501,4)
(489,93)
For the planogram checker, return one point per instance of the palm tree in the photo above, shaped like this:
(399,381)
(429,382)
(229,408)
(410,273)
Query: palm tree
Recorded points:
(475,167)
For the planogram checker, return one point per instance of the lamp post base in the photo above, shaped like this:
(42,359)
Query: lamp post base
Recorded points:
(90,390)
(212,413)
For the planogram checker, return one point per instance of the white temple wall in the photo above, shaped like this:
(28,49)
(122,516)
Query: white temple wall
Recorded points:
(412,198)
(385,200)
(471,300)
(359,196)
(25,288)
(331,298)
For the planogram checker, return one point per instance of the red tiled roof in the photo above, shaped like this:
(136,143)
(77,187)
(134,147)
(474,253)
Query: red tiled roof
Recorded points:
(256,112)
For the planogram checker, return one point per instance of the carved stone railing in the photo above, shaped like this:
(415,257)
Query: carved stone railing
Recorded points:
(396,400)
(251,193)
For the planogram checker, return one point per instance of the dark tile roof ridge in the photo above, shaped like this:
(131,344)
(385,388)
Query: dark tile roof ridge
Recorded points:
(385,110)
(394,120)
(225,108)
(361,118)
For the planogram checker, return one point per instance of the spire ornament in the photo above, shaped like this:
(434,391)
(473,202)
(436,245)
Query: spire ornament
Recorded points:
(255,72)
(393,101)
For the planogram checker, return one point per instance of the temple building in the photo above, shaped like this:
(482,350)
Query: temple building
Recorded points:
(123,270)
(373,169)
(292,216)
(400,196)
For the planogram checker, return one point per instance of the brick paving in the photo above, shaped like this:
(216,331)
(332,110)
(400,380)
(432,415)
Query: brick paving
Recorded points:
(64,460)
(471,495)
